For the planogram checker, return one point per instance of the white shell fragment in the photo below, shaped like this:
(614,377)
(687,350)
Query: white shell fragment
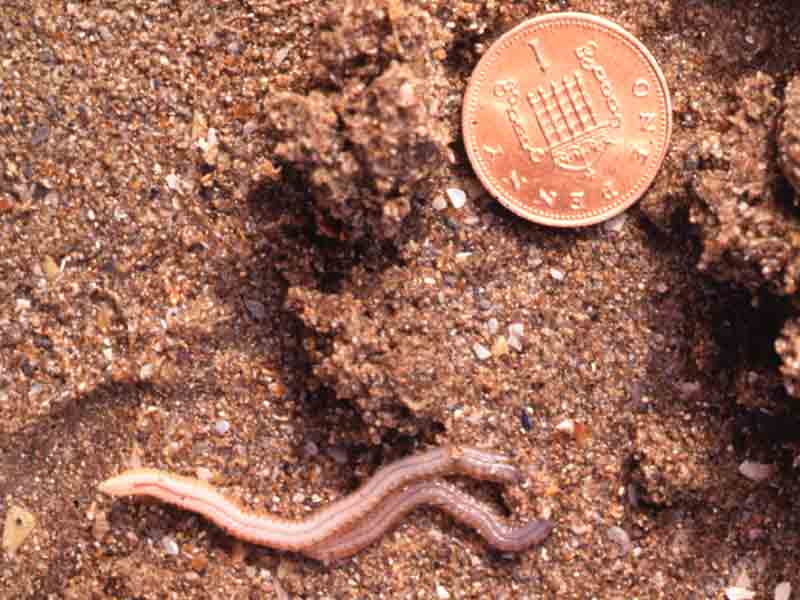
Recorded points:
(566,426)
(170,546)
(783,591)
(756,471)
(457,197)
(210,146)
(481,351)
(737,593)
(515,333)
(492,326)
(173,182)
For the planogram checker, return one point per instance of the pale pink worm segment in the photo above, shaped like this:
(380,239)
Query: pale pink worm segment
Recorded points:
(353,521)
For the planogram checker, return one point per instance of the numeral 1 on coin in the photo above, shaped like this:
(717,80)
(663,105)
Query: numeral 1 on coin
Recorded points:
(548,196)
(536,46)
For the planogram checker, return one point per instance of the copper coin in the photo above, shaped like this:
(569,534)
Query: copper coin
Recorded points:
(567,119)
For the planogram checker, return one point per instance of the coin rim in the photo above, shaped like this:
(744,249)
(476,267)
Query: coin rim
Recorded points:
(470,140)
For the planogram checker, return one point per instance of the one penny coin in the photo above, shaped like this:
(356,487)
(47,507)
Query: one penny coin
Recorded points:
(567,119)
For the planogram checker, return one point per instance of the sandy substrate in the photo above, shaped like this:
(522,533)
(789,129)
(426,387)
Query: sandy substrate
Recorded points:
(206,268)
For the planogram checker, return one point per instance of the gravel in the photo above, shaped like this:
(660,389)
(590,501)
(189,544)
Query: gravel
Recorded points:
(458,198)
(481,351)
(170,546)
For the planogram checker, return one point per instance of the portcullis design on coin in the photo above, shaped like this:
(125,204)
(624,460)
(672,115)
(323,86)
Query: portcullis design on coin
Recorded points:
(567,119)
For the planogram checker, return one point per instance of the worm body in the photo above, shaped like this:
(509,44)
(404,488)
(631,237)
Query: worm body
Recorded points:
(458,504)
(353,513)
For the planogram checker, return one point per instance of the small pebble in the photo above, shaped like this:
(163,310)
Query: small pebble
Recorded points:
(580,528)
(583,433)
(441,592)
(457,197)
(616,224)
(199,125)
(525,420)
(42,341)
(50,268)
(280,56)
(173,182)
(338,454)
(500,347)
(5,204)
(52,198)
(210,147)
(249,128)
(634,496)
(492,326)
(40,134)
(439,203)
(406,96)
(199,562)
(170,547)
(18,526)
(310,449)
(481,351)
(221,427)
(620,537)
(515,332)
(688,389)
(557,275)
(256,309)
(566,426)
(146,372)
(100,526)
